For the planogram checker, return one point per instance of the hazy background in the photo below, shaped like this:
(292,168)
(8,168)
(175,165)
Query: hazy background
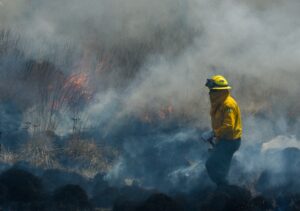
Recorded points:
(141,67)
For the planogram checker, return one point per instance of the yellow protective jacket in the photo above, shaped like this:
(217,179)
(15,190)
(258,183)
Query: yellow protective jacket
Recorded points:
(225,116)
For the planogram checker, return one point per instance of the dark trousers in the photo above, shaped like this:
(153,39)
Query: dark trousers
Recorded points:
(218,163)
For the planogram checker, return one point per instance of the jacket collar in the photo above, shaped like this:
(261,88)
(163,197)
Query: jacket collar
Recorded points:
(217,98)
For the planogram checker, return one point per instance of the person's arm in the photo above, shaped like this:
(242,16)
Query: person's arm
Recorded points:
(226,129)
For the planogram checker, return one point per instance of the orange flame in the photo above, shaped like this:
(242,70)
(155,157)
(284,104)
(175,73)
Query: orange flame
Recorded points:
(75,91)
(79,80)
(164,113)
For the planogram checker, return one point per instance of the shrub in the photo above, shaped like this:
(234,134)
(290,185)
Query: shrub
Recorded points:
(70,197)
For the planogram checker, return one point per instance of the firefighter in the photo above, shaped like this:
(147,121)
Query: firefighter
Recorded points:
(226,129)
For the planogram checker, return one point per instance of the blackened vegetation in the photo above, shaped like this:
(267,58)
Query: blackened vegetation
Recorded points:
(261,203)
(156,201)
(21,190)
(160,202)
(53,179)
(57,190)
(227,198)
(123,198)
(26,188)
(275,189)
(70,197)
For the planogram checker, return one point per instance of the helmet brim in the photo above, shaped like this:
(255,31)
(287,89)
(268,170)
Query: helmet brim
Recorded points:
(222,88)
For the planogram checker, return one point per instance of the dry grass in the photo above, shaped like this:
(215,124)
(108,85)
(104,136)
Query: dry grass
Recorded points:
(7,156)
(84,157)
(40,152)
(90,157)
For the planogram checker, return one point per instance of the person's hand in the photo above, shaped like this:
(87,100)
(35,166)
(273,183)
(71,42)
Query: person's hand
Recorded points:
(208,136)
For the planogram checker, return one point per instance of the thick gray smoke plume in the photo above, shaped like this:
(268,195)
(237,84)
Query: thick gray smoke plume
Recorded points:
(146,64)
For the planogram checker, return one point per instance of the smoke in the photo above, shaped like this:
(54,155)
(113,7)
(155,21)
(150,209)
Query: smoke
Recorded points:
(147,63)
(281,142)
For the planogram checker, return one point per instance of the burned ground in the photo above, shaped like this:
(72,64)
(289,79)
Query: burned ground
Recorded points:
(22,190)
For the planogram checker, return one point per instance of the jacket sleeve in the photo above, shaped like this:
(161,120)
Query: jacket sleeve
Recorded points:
(226,129)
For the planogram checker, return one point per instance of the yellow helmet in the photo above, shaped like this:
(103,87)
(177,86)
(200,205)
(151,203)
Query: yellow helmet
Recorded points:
(217,82)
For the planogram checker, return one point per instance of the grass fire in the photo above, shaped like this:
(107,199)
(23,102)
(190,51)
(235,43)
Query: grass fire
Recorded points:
(136,105)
